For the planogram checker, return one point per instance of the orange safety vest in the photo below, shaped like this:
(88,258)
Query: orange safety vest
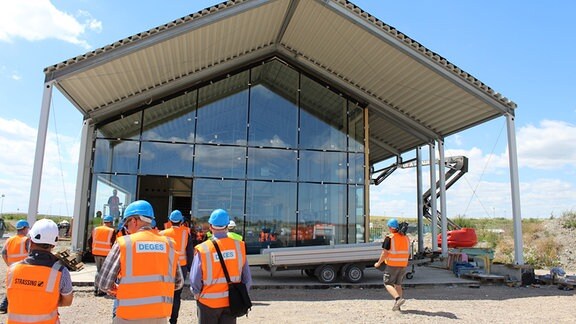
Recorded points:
(102,240)
(167,225)
(33,291)
(148,266)
(215,288)
(16,249)
(180,236)
(398,254)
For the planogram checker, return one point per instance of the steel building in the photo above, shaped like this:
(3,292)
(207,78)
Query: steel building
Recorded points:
(276,110)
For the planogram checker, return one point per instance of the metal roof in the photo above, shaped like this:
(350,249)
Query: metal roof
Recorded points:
(414,95)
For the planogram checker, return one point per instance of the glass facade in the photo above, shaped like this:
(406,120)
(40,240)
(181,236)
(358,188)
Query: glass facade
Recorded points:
(283,153)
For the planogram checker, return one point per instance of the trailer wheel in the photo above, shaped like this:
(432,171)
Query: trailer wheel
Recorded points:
(354,273)
(326,273)
(409,275)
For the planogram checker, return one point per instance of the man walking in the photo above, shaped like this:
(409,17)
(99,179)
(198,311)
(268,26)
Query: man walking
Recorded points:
(231,233)
(146,267)
(15,250)
(181,236)
(207,279)
(37,285)
(102,238)
(395,254)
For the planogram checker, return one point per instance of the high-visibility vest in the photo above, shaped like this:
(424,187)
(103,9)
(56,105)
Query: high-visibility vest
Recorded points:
(33,291)
(102,240)
(180,236)
(16,249)
(398,254)
(148,265)
(214,293)
(234,235)
(167,225)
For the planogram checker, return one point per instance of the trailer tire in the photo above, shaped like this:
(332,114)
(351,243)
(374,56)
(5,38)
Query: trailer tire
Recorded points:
(409,275)
(353,273)
(326,273)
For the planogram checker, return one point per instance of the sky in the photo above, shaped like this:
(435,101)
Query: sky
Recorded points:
(522,49)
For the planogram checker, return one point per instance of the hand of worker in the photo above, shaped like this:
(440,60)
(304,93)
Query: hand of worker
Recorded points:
(377,265)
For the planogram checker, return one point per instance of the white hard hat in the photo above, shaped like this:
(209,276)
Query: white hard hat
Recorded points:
(44,231)
(232,224)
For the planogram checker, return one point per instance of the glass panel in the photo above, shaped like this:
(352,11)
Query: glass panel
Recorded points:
(166,159)
(127,127)
(270,215)
(110,195)
(323,166)
(116,156)
(220,161)
(273,106)
(212,194)
(172,120)
(272,164)
(356,128)
(223,111)
(322,214)
(356,168)
(323,117)
(356,214)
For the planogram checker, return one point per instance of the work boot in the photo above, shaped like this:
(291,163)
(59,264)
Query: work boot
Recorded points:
(398,303)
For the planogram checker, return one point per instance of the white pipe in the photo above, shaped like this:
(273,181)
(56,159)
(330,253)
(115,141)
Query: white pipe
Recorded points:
(444,214)
(515,190)
(39,154)
(420,199)
(433,199)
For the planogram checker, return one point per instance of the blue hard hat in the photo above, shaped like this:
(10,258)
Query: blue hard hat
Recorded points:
(219,218)
(139,208)
(22,224)
(108,219)
(176,216)
(393,223)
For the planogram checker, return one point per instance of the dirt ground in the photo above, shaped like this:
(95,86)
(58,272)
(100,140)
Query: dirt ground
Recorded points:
(487,304)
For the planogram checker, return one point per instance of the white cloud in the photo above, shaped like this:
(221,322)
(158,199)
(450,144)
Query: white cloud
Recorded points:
(16,76)
(550,145)
(18,142)
(35,20)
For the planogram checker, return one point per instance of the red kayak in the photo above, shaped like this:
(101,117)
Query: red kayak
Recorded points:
(464,237)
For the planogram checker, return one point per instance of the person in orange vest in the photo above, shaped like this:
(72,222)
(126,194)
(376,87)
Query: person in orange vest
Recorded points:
(395,254)
(15,249)
(181,236)
(37,285)
(146,267)
(102,238)
(207,279)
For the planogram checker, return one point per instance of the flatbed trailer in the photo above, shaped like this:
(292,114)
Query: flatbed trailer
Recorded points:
(325,262)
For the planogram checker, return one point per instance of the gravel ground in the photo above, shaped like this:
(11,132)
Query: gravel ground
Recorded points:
(487,304)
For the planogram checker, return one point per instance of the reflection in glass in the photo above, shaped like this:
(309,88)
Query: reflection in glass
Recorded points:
(355,214)
(166,158)
(273,106)
(323,166)
(213,194)
(172,120)
(270,215)
(116,156)
(220,161)
(223,111)
(356,128)
(323,118)
(126,127)
(356,168)
(322,209)
(272,164)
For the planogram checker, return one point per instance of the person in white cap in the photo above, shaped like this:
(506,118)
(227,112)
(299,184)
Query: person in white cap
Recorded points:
(207,279)
(40,278)
(231,233)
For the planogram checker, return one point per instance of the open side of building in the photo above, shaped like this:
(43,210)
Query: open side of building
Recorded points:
(275,110)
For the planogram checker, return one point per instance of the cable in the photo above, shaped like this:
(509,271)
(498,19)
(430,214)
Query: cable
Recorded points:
(59,156)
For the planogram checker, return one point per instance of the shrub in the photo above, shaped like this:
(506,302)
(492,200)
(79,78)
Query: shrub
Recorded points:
(568,219)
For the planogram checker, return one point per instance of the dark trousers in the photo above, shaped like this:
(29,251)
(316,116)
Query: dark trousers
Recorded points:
(207,315)
(4,305)
(177,299)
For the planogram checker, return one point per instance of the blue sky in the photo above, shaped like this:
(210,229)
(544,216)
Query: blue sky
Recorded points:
(522,49)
